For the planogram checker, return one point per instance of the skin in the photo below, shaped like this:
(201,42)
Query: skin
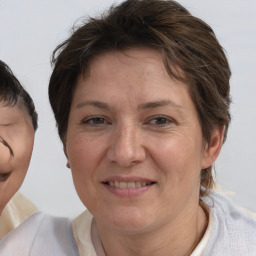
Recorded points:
(129,121)
(16,144)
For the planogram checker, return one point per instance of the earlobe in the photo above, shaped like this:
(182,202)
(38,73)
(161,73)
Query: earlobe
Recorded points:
(65,152)
(213,148)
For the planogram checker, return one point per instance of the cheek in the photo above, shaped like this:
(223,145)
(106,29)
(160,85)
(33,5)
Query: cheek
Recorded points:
(24,152)
(4,154)
(22,146)
(179,158)
(84,155)
(179,162)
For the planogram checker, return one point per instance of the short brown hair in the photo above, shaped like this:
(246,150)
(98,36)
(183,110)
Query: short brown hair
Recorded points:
(189,48)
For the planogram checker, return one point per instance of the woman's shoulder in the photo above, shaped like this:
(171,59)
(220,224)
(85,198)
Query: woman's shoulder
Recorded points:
(40,234)
(234,231)
(222,204)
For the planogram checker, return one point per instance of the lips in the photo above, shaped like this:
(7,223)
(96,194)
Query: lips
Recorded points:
(128,186)
(4,176)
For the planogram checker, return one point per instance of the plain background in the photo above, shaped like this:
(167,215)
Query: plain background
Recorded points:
(31,29)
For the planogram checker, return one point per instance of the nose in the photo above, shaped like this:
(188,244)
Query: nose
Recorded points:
(126,147)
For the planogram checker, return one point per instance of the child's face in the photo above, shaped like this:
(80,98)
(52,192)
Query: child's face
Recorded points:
(16,144)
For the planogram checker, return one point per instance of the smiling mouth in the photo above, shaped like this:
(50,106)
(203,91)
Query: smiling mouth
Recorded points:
(132,184)
(4,176)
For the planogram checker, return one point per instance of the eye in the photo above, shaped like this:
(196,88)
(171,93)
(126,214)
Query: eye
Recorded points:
(95,121)
(160,121)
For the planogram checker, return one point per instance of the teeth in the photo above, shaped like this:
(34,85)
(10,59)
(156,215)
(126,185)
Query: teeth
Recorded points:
(122,184)
(137,184)
(131,185)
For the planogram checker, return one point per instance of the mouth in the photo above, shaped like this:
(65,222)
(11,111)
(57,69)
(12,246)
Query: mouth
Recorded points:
(128,187)
(130,184)
(4,176)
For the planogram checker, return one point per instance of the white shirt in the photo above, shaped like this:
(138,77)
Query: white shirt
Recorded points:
(17,209)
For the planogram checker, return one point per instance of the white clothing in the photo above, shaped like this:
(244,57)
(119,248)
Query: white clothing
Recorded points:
(40,235)
(234,231)
(17,209)
(82,233)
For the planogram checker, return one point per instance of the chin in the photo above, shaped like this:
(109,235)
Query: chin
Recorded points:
(128,220)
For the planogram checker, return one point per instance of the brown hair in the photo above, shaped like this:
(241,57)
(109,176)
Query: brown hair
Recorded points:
(189,48)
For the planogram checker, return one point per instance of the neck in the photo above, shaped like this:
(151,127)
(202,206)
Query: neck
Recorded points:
(178,238)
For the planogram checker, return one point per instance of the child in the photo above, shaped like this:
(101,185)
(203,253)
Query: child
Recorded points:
(38,234)
(18,123)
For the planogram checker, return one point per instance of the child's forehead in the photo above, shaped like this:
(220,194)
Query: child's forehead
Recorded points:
(13,105)
(11,114)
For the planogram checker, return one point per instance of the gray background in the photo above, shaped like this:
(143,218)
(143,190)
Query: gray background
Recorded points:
(31,29)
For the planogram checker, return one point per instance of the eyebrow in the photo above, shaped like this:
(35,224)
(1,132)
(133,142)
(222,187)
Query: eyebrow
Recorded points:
(146,105)
(94,103)
(160,103)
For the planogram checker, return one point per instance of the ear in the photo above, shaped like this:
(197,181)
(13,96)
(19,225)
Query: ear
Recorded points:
(65,152)
(212,149)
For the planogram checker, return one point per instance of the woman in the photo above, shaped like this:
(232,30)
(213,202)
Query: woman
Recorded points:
(141,99)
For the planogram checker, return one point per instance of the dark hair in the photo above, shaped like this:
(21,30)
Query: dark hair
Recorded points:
(190,51)
(11,92)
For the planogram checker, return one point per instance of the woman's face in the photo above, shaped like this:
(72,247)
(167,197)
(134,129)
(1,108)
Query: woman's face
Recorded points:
(134,142)
(16,144)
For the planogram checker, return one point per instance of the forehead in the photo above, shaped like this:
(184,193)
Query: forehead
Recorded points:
(131,57)
(136,54)
(142,61)
(136,75)
(13,115)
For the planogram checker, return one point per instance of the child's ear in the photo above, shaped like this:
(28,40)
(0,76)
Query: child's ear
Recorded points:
(212,149)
